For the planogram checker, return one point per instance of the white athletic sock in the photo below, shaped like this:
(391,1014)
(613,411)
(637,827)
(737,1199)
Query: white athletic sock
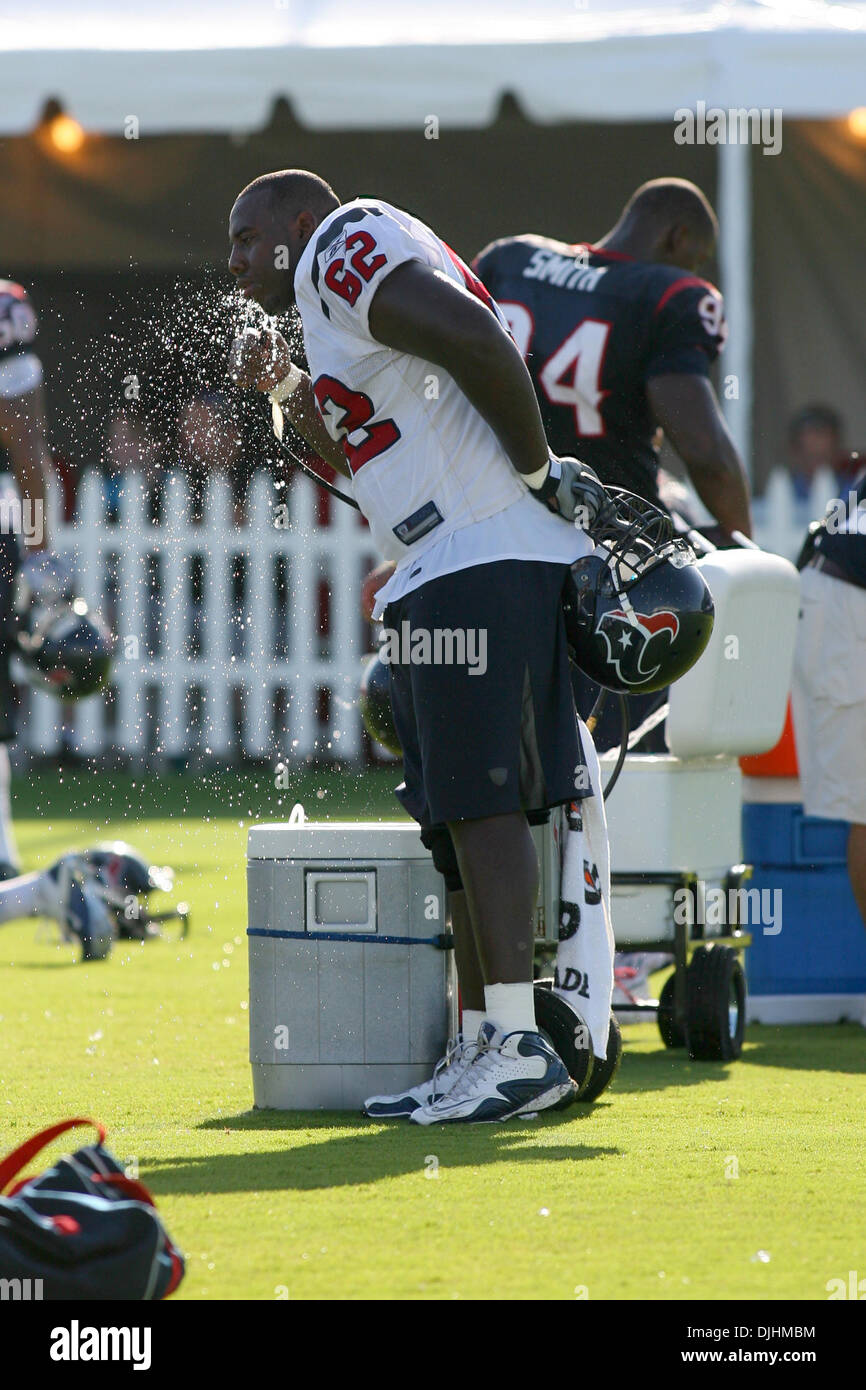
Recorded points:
(511,1007)
(470,1021)
(21,897)
(8,848)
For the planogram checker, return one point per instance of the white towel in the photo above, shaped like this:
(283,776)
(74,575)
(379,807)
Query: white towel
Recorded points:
(584,958)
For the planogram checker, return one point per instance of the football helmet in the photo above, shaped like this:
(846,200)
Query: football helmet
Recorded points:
(127,880)
(638,612)
(75,900)
(375,703)
(65,648)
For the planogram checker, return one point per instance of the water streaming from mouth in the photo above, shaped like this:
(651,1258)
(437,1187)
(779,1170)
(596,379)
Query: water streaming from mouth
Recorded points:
(151,352)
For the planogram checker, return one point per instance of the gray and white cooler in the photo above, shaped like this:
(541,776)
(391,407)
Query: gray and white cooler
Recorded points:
(352,987)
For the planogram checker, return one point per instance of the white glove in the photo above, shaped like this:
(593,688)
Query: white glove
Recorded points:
(575,490)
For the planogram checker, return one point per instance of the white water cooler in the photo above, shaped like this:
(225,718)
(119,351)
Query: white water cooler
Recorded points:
(351,973)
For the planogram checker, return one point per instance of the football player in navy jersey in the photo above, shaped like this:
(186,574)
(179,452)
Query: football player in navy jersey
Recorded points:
(619,338)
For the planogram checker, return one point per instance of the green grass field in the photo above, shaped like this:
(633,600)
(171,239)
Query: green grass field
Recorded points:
(634,1197)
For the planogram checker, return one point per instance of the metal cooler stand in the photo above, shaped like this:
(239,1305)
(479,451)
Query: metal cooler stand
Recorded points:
(676,823)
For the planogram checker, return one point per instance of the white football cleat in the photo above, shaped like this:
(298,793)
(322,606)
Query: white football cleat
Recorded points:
(77,902)
(448,1070)
(511,1074)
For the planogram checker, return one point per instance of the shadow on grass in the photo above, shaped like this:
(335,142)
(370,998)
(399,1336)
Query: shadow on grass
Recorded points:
(354,1152)
(660,1070)
(73,964)
(831,1047)
(826,1047)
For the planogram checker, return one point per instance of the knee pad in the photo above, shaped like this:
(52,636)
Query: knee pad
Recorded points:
(438,840)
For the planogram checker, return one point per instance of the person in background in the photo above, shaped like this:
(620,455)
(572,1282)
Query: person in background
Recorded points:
(210,442)
(815,436)
(619,337)
(129,447)
(829,688)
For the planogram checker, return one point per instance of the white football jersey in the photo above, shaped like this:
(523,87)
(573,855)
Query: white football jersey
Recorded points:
(427,471)
(424,463)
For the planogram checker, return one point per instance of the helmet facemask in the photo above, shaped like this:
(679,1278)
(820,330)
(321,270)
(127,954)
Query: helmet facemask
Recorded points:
(633,537)
(638,612)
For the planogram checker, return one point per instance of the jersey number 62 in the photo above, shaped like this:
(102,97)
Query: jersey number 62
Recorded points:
(341,280)
(347,413)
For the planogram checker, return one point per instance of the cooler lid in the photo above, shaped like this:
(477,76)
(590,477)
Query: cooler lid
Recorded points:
(337,840)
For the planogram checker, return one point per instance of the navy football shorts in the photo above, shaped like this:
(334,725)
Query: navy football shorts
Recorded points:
(481,693)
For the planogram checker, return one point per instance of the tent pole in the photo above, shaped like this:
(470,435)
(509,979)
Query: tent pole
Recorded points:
(735,263)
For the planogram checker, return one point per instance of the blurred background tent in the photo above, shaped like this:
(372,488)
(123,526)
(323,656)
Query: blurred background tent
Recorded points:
(485,119)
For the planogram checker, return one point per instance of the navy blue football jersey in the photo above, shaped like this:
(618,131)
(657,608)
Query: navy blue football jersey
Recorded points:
(593,327)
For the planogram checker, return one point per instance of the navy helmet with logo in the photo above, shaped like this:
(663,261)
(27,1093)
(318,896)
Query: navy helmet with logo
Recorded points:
(126,880)
(638,612)
(65,648)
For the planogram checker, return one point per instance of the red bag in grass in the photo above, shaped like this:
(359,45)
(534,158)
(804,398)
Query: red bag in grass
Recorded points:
(83,1229)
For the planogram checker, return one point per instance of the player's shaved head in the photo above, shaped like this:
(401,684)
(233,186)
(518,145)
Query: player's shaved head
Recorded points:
(666,220)
(666,202)
(272,220)
(292,191)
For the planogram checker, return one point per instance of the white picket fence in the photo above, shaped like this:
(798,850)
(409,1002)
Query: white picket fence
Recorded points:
(251,687)
(244,654)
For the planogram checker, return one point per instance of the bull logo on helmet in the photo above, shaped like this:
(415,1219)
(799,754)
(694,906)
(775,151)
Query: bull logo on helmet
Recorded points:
(629,639)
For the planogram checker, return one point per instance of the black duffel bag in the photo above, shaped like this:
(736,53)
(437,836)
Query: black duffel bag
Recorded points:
(83,1229)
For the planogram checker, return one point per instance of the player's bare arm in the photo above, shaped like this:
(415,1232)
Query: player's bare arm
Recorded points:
(23,434)
(303,412)
(685,406)
(261,361)
(417,310)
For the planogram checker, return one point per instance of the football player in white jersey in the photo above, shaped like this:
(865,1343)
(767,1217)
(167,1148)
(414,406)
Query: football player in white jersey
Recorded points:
(418,394)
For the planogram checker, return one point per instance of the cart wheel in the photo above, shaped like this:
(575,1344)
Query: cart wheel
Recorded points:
(603,1072)
(716,1007)
(567,1035)
(673,1034)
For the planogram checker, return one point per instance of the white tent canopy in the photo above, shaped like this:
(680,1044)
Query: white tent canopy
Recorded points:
(208,65)
(216,66)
